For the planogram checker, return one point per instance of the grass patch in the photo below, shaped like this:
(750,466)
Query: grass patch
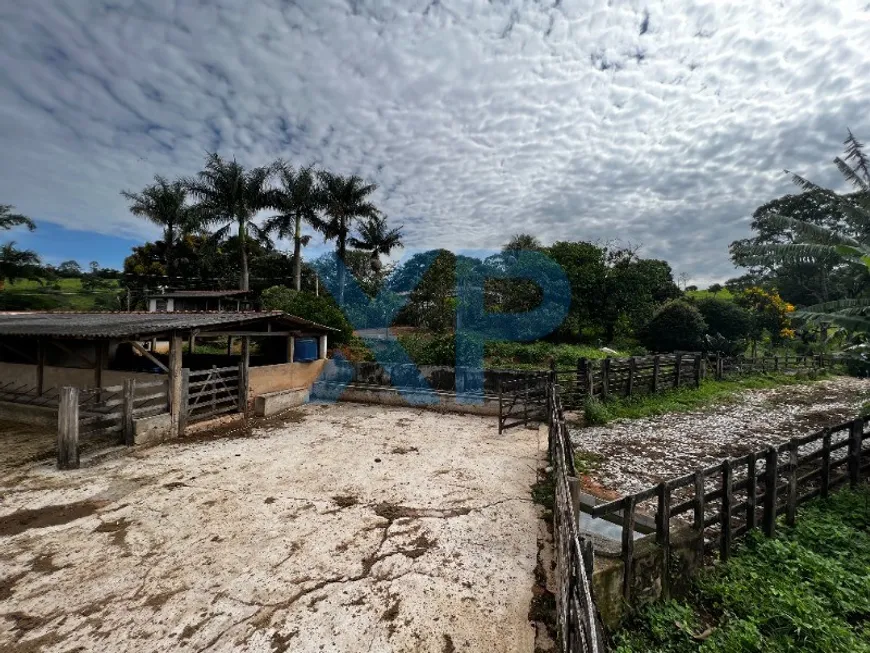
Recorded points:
(686,399)
(536,355)
(807,590)
(586,462)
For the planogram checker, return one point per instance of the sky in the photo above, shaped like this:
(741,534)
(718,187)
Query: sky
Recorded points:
(658,125)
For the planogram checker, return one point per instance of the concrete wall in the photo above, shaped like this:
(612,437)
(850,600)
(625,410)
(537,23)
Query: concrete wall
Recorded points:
(35,415)
(286,376)
(438,401)
(63,376)
(648,567)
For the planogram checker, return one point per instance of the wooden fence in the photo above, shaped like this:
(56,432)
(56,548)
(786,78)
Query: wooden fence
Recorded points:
(627,377)
(522,399)
(577,624)
(215,391)
(725,501)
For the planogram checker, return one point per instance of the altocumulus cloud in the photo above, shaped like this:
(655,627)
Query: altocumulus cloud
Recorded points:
(659,124)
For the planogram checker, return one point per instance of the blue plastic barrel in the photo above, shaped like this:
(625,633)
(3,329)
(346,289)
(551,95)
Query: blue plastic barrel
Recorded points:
(305,350)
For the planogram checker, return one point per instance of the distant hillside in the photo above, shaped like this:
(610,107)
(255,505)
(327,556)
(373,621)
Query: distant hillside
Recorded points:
(61,294)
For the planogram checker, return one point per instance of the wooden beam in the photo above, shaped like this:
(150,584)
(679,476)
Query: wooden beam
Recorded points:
(147,354)
(256,334)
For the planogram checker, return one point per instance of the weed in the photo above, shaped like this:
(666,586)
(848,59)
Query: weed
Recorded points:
(595,413)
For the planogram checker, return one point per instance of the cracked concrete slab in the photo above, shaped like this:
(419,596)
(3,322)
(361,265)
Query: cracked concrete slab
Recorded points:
(353,528)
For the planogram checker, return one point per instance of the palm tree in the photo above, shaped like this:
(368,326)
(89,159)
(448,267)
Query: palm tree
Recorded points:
(298,201)
(377,239)
(344,200)
(9,219)
(17,263)
(229,195)
(811,242)
(164,204)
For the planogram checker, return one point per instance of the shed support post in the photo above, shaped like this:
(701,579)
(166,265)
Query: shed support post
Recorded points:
(98,364)
(244,369)
(291,346)
(175,384)
(68,429)
(322,351)
(40,367)
(129,405)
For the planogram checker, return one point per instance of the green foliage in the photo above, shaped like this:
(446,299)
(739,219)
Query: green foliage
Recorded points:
(322,310)
(808,590)
(426,349)
(675,326)
(595,412)
(728,325)
(690,398)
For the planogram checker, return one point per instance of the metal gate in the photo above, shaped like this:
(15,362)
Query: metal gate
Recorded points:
(213,392)
(522,400)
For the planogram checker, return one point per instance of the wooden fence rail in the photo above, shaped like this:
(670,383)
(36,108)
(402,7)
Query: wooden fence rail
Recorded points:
(727,500)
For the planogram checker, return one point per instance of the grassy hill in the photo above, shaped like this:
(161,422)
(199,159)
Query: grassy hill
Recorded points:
(59,294)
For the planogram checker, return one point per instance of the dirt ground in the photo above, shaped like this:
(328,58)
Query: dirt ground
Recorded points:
(630,455)
(345,528)
(23,444)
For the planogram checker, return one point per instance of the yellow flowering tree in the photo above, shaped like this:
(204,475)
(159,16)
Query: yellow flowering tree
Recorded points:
(770,314)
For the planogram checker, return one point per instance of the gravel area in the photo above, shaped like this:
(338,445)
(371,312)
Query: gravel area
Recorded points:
(631,455)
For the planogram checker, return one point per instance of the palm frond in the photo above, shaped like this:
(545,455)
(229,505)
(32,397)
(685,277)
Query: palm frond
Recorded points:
(855,152)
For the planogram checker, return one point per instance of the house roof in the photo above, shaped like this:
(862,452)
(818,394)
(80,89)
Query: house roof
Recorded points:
(187,294)
(131,325)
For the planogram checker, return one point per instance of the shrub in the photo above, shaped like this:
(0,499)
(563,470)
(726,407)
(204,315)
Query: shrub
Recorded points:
(675,326)
(595,413)
(322,310)
(728,325)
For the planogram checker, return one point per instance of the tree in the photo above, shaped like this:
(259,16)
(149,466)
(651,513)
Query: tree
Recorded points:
(9,219)
(164,204)
(768,313)
(344,201)
(848,241)
(322,310)
(228,195)
(676,326)
(17,263)
(728,325)
(430,279)
(523,242)
(585,266)
(298,200)
(634,288)
(715,288)
(376,239)
(69,268)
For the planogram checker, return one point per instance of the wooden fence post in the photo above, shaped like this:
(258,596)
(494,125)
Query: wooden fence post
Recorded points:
(605,378)
(627,547)
(751,493)
(727,501)
(657,362)
(718,373)
(856,430)
(826,463)
(771,480)
(697,370)
(629,386)
(244,365)
(678,364)
(184,400)
(68,429)
(581,378)
(175,358)
(590,380)
(776,363)
(663,536)
(129,406)
(791,506)
(785,362)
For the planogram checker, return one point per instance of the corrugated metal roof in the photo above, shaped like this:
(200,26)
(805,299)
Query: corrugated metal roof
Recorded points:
(181,294)
(126,325)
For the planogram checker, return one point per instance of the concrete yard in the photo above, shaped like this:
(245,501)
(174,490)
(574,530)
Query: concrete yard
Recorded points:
(342,528)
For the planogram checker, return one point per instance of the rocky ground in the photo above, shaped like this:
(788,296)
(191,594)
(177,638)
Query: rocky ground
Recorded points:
(630,455)
(348,528)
